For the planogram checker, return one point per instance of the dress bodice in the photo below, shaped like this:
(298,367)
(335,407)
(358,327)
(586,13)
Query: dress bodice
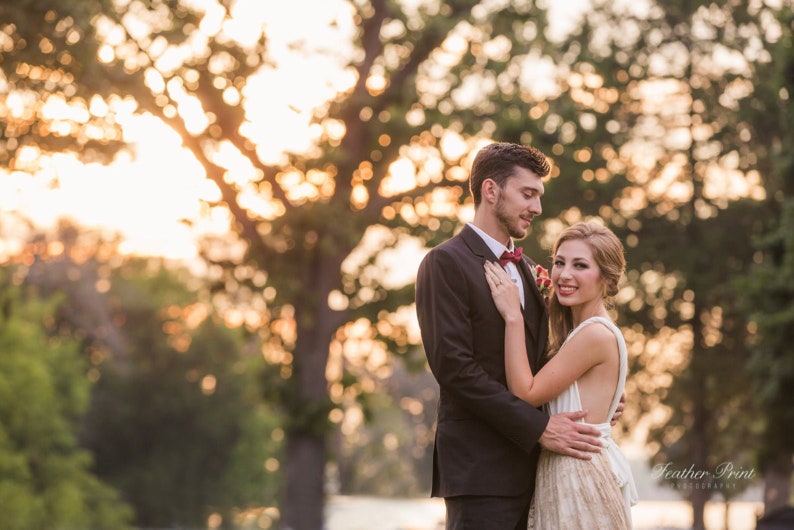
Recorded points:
(570,401)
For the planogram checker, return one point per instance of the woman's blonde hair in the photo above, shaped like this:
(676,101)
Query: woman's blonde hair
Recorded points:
(608,255)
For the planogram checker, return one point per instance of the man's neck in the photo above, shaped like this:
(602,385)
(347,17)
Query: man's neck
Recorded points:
(488,224)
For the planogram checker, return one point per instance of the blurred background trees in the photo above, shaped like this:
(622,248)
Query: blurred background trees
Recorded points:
(766,296)
(46,479)
(175,420)
(292,348)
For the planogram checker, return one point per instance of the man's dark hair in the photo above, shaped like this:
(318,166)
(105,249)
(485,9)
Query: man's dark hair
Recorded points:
(497,162)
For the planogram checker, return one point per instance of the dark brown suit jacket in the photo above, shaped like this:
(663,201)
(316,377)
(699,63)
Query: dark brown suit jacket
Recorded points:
(486,438)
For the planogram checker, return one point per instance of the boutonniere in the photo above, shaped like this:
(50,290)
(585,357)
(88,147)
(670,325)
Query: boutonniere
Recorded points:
(542,280)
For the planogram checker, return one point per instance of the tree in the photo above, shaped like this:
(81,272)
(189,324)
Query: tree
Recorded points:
(769,300)
(406,112)
(681,135)
(176,422)
(387,449)
(766,292)
(46,480)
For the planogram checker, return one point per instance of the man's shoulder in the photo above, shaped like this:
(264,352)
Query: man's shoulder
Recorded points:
(441,253)
(460,243)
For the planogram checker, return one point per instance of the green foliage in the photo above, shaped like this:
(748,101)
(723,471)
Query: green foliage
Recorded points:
(665,152)
(41,42)
(46,480)
(177,423)
(765,293)
(768,297)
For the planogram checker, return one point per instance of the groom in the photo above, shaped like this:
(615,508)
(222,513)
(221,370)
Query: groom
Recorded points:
(487,440)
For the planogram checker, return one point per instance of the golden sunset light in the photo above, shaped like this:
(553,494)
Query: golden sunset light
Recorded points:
(245,283)
(144,194)
(147,192)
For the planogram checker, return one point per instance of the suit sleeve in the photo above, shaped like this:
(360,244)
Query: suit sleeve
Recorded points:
(443,305)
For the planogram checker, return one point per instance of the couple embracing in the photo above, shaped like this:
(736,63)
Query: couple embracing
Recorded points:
(529,385)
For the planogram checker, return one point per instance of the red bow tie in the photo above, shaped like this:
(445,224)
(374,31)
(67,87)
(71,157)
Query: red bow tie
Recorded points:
(508,256)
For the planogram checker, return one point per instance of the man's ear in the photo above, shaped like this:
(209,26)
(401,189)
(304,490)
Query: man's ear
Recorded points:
(490,190)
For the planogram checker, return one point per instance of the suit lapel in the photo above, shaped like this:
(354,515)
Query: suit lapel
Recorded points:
(535,315)
(531,296)
(475,242)
(536,321)
(531,287)
(480,248)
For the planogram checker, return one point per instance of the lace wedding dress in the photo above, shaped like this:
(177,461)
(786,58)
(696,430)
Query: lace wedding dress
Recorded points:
(574,494)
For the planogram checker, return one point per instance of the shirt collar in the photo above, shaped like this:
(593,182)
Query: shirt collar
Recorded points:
(496,247)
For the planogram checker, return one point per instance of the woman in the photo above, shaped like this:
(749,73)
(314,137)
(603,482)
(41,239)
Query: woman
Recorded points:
(585,370)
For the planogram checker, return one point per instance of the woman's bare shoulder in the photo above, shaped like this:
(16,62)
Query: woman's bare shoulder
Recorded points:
(595,338)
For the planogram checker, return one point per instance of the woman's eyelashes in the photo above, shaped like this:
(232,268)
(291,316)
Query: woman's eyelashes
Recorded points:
(577,264)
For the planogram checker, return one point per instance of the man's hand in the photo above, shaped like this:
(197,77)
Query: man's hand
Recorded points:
(619,410)
(565,435)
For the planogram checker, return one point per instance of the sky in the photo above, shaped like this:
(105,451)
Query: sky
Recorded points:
(144,194)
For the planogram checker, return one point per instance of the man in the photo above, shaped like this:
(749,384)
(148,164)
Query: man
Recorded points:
(487,440)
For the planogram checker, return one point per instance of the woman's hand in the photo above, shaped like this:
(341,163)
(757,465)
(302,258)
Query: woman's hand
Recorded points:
(503,290)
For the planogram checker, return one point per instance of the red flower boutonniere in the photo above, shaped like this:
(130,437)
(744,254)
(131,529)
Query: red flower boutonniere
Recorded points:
(542,280)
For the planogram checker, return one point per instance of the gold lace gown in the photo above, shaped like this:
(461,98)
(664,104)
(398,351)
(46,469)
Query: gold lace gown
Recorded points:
(574,494)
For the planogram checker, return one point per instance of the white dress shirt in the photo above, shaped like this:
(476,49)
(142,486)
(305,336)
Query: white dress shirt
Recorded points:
(497,248)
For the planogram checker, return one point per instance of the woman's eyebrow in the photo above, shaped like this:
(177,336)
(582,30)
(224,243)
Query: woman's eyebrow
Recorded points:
(575,258)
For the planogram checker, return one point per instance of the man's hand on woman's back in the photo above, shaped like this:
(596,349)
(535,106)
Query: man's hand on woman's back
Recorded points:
(566,435)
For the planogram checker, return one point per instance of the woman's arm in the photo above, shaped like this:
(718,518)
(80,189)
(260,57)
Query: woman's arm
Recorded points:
(587,349)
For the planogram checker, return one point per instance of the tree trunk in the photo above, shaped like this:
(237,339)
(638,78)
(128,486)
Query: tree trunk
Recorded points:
(701,415)
(777,483)
(303,502)
(700,443)
(304,482)
(698,499)
(305,442)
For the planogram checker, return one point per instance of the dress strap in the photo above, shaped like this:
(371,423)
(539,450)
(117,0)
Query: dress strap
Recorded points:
(623,358)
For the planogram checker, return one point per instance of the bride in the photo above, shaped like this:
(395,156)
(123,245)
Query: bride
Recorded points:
(585,370)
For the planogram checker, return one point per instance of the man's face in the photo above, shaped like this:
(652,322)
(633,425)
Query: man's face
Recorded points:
(519,202)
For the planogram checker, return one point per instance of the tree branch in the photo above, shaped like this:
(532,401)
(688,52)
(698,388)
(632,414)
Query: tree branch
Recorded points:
(229,118)
(429,40)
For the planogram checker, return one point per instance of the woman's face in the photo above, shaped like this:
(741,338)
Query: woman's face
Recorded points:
(575,275)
